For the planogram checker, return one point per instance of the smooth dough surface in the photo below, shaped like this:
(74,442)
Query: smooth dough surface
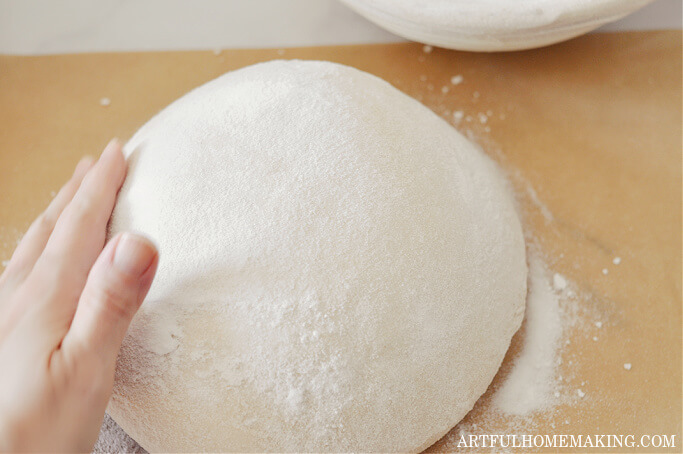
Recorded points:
(340,269)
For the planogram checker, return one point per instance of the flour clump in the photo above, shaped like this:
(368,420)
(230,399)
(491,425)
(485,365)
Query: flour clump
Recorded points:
(340,269)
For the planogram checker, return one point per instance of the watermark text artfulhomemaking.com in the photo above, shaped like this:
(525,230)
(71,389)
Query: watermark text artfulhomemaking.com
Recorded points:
(566,441)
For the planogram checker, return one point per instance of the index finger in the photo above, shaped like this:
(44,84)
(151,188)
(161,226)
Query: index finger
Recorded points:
(80,232)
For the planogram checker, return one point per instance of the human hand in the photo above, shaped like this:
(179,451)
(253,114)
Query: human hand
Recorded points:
(66,301)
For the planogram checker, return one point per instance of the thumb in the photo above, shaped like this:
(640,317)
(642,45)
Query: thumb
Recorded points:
(117,284)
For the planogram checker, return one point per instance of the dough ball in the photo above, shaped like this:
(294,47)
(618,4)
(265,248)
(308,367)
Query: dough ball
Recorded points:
(493,25)
(340,270)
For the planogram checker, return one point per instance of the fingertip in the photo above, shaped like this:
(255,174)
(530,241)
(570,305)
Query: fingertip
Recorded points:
(114,144)
(112,158)
(86,160)
(113,150)
(148,277)
(116,287)
(134,254)
(83,166)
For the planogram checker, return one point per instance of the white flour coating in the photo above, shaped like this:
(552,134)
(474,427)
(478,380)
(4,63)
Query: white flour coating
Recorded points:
(517,397)
(531,386)
(340,269)
(495,15)
(488,25)
(559,282)
(523,395)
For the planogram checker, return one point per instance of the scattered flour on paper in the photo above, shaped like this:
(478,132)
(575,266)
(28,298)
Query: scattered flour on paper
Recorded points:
(531,385)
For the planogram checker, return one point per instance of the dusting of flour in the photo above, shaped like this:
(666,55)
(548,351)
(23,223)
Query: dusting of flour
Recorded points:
(530,387)
(341,269)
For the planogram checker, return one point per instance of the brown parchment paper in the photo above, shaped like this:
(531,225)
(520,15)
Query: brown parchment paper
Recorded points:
(589,132)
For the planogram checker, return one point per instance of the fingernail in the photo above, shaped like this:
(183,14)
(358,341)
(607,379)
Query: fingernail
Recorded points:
(83,164)
(113,144)
(134,254)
